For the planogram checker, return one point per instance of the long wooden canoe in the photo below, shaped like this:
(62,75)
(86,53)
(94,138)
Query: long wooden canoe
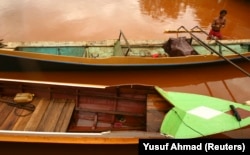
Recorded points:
(77,113)
(49,112)
(115,54)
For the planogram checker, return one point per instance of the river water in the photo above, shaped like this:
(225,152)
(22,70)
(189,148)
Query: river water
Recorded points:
(76,20)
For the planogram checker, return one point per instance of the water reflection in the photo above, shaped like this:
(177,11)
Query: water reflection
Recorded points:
(230,89)
(98,20)
(174,13)
(223,81)
(199,13)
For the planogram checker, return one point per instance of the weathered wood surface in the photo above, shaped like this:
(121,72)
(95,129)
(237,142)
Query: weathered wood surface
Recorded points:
(49,115)
(157,107)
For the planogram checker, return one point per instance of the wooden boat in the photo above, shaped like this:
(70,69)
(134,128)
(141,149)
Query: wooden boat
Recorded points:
(49,112)
(80,114)
(117,54)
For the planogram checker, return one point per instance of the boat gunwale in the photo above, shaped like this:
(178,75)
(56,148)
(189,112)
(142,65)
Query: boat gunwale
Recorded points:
(11,45)
(119,60)
(107,137)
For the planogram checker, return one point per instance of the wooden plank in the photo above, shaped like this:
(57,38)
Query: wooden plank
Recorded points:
(51,116)
(65,117)
(156,110)
(13,116)
(2,106)
(37,115)
(10,120)
(5,111)
(111,112)
(22,121)
(157,103)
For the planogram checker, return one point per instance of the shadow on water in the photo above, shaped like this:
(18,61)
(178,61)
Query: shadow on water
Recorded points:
(204,79)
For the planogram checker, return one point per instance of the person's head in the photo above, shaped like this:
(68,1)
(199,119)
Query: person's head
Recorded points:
(223,12)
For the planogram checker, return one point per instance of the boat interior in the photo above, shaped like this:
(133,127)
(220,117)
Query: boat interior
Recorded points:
(58,108)
(173,47)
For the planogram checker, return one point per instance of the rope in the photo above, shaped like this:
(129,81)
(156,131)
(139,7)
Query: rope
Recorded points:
(26,106)
(187,124)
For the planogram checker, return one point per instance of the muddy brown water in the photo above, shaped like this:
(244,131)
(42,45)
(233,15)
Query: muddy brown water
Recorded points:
(76,20)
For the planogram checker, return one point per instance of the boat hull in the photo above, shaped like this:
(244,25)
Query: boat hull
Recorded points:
(22,63)
(79,113)
(43,56)
(68,113)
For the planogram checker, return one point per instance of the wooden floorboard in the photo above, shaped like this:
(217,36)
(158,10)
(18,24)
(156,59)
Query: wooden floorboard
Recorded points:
(37,115)
(65,116)
(51,116)
(10,120)
(54,115)
(2,106)
(5,112)
(22,121)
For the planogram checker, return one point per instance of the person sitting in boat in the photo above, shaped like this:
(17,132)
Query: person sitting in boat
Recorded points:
(217,24)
